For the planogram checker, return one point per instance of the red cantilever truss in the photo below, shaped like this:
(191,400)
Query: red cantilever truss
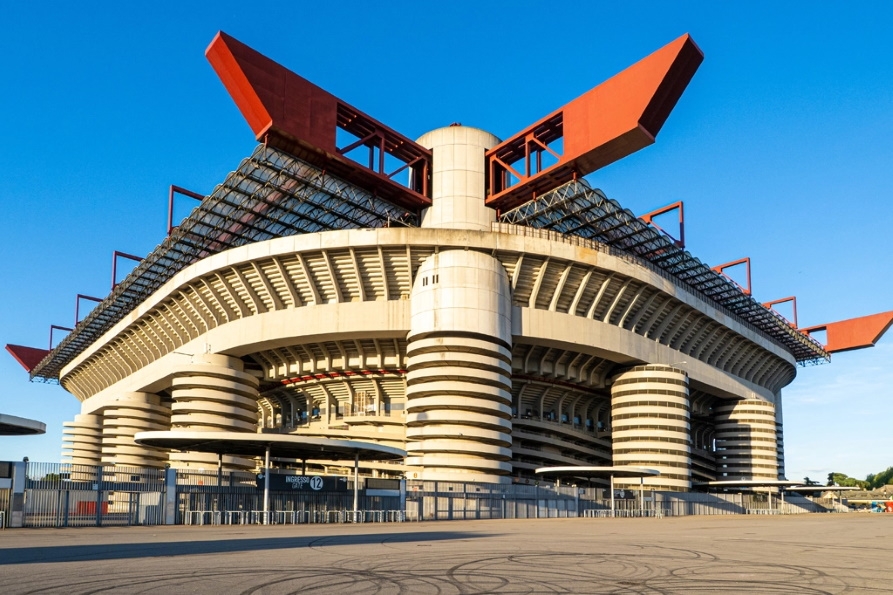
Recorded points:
(792,300)
(721,269)
(676,206)
(609,122)
(854,333)
(291,113)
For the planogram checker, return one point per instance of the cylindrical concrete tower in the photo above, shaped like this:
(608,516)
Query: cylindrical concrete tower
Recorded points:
(779,435)
(650,425)
(82,440)
(746,446)
(457,180)
(132,413)
(458,384)
(213,394)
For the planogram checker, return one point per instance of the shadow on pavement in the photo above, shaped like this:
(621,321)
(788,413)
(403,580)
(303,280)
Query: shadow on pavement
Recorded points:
(85,553)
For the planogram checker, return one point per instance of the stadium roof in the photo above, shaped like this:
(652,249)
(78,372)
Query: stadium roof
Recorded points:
(273,194)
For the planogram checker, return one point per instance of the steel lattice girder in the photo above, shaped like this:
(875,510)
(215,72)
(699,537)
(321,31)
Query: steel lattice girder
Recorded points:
(577,209)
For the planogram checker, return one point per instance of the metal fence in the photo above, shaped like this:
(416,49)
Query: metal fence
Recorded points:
(65,495)
(4,506)
(206,497)
(693,503)
(440,500)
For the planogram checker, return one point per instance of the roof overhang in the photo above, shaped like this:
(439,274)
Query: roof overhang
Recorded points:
(586,472)
(747,483)
(288,446)
(10,425)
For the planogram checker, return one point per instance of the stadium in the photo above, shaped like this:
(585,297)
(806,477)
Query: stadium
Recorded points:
(470,300)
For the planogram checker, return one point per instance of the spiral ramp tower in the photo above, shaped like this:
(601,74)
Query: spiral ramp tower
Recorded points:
(746,440)
(213,394)
(650,417)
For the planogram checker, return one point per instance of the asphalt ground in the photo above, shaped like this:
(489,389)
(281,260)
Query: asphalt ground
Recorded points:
(815,553)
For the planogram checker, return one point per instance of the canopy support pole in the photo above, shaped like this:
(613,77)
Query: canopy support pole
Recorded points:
(642,496)
(219,469)
(356,482)
(267,485)
(612,495)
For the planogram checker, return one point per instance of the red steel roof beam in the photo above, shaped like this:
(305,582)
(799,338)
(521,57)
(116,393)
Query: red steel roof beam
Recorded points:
(853,333)
(28,357)
(613,120)
(290,113)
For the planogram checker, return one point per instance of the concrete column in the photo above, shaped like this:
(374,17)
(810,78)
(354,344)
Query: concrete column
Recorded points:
(746,440)
(458,383)
(214,393)
(170,496)
(17,496)
(82,440)
(122,420)
(650,413)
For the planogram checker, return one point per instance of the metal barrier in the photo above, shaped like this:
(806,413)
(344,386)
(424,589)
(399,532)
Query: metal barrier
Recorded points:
(598,513)
(291,517)
(235,517)
(259,517)
(202,517)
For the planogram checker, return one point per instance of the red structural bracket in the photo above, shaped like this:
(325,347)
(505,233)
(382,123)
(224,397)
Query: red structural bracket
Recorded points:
(170,203)
(609,122)
(28,357)
(56,327)
(721,269)
(649,219)
(290,113)
(77,305)
(853,333)
(115,255)
(792,299)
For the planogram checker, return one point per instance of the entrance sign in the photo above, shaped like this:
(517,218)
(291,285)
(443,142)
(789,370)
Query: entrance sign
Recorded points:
(307,483)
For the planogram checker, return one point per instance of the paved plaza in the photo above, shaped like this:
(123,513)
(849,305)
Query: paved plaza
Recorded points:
(723,554)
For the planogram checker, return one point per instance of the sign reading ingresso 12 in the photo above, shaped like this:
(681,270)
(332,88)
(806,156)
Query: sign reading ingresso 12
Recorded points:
(309,483)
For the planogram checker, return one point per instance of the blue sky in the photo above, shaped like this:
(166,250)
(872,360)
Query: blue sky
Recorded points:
(780,147)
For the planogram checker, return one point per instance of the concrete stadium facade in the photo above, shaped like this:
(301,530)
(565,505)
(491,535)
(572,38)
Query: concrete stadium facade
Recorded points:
(483,349)
(485,327)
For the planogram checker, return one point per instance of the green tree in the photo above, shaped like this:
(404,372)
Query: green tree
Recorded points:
(879,480)
(842,479)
